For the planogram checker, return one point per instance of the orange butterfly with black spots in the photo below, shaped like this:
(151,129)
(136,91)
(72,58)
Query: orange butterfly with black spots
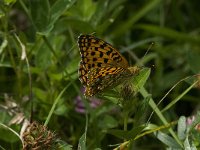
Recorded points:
(101,66)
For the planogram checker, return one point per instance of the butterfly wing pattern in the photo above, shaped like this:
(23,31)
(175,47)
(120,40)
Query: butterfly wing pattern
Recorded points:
(101,65)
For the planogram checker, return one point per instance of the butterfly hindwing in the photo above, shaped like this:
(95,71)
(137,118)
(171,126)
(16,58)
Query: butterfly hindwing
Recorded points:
(100,79)
(83,72)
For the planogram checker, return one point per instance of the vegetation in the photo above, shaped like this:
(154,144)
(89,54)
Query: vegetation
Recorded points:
(39,61)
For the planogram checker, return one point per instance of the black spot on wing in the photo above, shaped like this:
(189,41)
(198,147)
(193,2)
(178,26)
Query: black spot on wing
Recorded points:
(94,59)
(99,64)
(93,53)
(109,52)
(101,54)
(105,60)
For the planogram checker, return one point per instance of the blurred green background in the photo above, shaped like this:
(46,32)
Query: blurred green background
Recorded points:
(47,30)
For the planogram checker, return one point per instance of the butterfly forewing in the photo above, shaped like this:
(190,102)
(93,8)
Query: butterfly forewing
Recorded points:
(98,53)
(101,65)
(103,73)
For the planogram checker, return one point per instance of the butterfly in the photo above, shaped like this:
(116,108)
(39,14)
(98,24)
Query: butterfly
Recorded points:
(101,66)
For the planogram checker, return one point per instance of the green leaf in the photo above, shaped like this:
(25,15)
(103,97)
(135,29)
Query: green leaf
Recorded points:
(188,145)
(40,13)
(39,93)
(111,11)
(125,26)
(106,23)
(8,133)
(110,95)
(81,26)
(128,135)
(57,9)
(43,58)
(97,16)
(64,146)
(82,142)
(139,80)
(87,8)
(8,2)
(193,60)
(182,128)
(166,139)
(44,16)
(170,33)
(3,45)
(108,122)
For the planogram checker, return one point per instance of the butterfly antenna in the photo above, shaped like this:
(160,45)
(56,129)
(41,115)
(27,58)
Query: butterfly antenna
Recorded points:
(150,46)
(140,62)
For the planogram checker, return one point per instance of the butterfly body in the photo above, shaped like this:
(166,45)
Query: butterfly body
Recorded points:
(101,66)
